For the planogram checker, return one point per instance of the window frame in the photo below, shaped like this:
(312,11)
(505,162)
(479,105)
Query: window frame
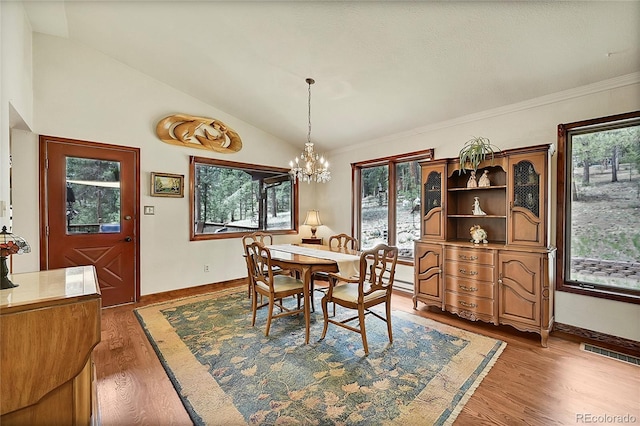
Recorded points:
(356,199)
(562,220)
(193,160)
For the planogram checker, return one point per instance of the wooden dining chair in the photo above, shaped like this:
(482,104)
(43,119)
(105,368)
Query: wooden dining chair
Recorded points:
(263,238)
(374,287)
(343,241)
(270,285)
(339,241)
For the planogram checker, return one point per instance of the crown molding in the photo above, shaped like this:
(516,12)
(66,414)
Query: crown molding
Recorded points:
(589,89)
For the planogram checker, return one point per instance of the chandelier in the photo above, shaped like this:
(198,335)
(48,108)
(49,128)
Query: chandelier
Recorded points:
(310,166)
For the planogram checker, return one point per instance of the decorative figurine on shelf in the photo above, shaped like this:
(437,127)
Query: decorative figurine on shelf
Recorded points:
(484,181)
(471,183)
(477,211)
(478,235)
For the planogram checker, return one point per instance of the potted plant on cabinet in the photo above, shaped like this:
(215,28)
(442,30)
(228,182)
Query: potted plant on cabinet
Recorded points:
(475,151)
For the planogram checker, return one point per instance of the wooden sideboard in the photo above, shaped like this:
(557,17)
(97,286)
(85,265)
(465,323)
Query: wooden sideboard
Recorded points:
(49,326)
(507,279)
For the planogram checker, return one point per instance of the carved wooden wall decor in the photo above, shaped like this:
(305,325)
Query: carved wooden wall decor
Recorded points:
(198,132)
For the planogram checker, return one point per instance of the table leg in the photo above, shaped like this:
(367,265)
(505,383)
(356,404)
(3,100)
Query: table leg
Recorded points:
(306,279)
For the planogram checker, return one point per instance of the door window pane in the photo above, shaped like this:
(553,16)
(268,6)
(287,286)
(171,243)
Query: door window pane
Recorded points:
(92,196)
(374,206)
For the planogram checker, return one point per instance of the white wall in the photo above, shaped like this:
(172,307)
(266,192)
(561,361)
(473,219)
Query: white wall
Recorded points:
(82,94)
(16,93)
(530,123)
(26,215)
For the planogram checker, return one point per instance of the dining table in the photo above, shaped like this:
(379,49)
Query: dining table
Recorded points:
(307,259)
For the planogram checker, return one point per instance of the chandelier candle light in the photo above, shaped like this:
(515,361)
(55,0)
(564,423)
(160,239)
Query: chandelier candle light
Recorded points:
(310,166)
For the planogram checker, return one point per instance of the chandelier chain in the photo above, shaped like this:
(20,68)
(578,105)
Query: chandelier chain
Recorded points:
(310,166)
(310,81)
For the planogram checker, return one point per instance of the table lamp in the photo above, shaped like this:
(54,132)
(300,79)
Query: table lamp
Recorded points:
(313,220)
(9,244)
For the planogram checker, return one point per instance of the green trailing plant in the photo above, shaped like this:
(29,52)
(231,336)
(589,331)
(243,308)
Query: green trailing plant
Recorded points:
(475,151)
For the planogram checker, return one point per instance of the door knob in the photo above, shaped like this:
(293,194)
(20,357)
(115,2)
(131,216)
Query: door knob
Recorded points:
(128,239)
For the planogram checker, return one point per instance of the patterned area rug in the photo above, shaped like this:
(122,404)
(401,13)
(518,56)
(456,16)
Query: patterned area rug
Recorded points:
(228,373)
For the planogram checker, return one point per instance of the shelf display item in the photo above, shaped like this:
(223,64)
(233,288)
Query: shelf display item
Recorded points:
(484,181)
(472,183)
(477,211)
(478,235)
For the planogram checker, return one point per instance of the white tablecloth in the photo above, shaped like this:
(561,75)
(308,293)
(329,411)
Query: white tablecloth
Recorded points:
(348,264)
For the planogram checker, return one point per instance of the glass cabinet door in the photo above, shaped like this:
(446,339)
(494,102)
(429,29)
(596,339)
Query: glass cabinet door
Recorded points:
(526,187)
(527,201)
(432,205)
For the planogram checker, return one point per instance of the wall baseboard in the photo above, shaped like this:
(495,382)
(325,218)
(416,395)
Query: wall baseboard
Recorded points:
(191,291)
(608,341)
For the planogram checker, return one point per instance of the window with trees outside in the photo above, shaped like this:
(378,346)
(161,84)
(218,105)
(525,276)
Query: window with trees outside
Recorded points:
(599,207)
(387,201)
(230,199)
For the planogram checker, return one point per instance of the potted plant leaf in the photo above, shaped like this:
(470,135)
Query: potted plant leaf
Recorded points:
(475,151)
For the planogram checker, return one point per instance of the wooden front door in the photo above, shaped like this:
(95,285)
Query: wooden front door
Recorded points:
(89,196)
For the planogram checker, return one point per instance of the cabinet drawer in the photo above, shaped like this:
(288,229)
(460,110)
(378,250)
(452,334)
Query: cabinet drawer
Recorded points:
(462,254)
(469,271)
(473,304)
(470,287)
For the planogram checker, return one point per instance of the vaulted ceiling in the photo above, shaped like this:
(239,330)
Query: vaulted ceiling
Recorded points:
(381,68)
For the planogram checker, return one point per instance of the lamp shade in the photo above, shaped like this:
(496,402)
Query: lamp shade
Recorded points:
(12,244)
(313,218)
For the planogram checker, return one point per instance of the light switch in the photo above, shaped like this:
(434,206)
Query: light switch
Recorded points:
(149,210)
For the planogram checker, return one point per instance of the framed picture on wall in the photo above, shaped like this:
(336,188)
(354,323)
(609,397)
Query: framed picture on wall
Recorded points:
(167,185)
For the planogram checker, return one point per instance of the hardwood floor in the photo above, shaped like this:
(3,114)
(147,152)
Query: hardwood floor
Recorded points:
(528,384)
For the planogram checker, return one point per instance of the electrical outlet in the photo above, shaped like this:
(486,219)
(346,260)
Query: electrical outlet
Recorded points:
(206,268)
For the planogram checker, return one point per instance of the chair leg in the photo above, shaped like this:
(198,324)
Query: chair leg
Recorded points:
(270,314)
(388,304)
(325,315)
(254,307)
(363,330)
(311,287)
(334,303)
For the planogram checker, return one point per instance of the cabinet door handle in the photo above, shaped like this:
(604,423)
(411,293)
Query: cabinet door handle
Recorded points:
(500,281)
(464,257)
(465,288)
(467,305)
(464,271)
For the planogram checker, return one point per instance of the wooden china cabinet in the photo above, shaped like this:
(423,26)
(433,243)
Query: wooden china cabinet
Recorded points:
(507,280)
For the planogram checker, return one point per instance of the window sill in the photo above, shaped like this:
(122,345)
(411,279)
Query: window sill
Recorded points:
(601,293)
